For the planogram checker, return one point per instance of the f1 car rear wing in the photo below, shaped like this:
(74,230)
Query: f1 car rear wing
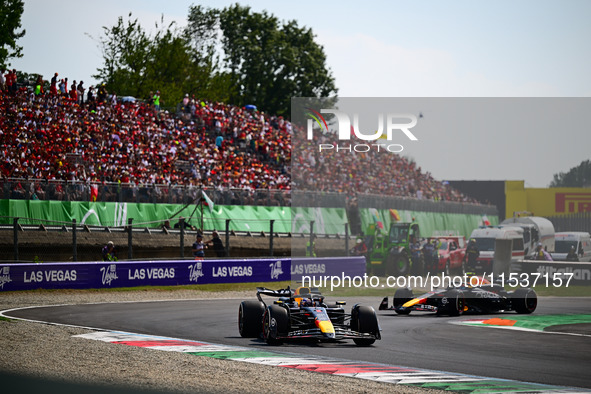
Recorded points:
(285,293)
(274,293)
(289,292)
(300,292)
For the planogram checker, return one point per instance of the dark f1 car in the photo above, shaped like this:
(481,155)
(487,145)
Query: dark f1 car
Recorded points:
(483,297)
(304,314)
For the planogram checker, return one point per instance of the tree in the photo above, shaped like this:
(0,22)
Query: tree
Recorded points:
(136,63)
(10,23)
(125,48)
(267,61)
(232,55)
(579,176)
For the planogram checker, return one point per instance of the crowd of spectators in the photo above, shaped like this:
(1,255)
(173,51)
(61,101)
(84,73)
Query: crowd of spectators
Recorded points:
(93,139)
(54,136)
(373,172)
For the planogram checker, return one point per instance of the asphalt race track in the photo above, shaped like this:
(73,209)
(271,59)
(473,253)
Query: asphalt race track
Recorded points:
(420,340)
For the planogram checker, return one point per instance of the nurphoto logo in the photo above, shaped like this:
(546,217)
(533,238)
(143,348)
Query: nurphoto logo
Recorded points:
(381,138)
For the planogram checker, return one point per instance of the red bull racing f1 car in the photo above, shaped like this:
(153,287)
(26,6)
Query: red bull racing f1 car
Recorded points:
(302,313)
(477,296)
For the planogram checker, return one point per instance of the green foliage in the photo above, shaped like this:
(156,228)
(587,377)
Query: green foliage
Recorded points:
(10,23)
(29,78)
(579,176)
(268,61)
(126,54)
(232,55)
(136,63)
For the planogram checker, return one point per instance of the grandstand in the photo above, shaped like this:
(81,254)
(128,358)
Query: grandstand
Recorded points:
(55,147)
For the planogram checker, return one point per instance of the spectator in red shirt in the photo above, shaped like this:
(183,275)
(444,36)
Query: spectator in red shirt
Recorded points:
(53,85)
(74,92)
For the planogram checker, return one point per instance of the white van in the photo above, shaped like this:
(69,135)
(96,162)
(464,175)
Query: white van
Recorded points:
(535,230)
(486,237)
(580,240)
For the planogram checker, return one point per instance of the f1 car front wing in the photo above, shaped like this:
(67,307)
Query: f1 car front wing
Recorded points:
(340,333)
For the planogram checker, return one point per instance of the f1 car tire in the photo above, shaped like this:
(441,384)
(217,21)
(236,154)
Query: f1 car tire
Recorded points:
(401,297)
(275,324)
(364,320)
(250,315)
(455,302)
(524,300)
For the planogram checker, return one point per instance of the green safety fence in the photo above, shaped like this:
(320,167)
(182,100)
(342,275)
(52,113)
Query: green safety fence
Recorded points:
(113,214)
(242,218)
(326,220)
(248,218)
(430,223)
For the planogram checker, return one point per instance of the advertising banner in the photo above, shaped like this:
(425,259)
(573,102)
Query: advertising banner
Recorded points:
(325,267)
(141,273)
(557,273)
(546,201)
(97,275)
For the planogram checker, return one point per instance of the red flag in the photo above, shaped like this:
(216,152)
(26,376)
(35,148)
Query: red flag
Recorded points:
(93,193)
